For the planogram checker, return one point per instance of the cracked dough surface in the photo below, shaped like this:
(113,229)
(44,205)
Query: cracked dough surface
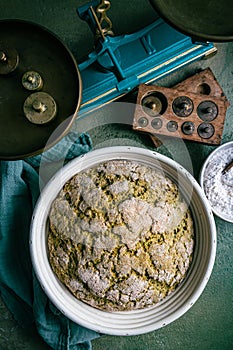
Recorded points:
(120,236)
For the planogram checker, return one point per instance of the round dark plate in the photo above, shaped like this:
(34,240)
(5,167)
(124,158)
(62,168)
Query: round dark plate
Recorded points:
(201,19)
(41,51)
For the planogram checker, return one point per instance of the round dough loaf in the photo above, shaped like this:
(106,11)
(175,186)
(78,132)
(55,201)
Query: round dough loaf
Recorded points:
(120,236)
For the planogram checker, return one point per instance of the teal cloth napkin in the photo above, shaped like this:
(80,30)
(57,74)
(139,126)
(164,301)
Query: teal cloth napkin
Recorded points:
(19,288)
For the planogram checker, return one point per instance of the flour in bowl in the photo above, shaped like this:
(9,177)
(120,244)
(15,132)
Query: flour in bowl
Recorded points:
(218,186)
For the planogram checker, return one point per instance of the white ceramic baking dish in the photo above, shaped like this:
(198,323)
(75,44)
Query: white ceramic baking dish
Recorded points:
(138,321)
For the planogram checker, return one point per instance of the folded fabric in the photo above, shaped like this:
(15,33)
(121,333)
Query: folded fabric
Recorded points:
(70,147)
(19,288)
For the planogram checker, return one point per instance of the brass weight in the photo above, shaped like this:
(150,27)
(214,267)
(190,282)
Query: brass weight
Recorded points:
(40,108)
(9,60)
(32,81)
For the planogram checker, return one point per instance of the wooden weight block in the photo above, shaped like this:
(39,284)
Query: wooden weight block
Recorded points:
(193,110)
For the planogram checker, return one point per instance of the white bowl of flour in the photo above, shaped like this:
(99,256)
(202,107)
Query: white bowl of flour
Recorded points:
(217,181)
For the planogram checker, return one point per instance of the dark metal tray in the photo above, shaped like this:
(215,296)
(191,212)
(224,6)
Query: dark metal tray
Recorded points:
(200,19)
(41,51)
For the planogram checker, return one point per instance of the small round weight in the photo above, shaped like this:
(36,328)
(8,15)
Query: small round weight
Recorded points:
(32,81)
(143,122)
(188,128)
(207,111)
(205,130)
(9,60)
(156,123)
(40,108)
(152,105)
(182,106)
(172,126)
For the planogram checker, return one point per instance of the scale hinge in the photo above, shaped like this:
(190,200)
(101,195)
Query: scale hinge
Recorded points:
(127,84)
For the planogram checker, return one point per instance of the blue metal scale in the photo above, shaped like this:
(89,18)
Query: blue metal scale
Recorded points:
(119,64)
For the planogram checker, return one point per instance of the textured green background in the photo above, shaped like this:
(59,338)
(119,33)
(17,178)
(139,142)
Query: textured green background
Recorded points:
(208,325)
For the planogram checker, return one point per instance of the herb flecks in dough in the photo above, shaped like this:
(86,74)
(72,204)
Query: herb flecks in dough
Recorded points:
(120,236)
